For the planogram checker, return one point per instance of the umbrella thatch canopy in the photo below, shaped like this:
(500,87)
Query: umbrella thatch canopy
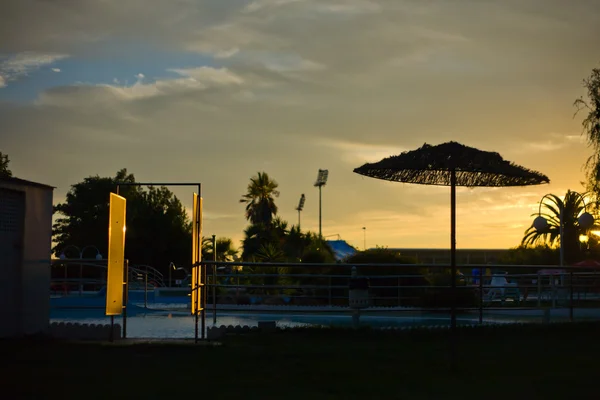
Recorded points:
(452,164)
(433,165)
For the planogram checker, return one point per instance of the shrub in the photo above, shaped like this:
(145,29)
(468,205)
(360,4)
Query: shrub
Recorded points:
(440,294)
(411,276)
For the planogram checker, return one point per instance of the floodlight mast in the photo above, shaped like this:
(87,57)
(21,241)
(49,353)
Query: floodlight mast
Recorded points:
(300,208)
(321,181)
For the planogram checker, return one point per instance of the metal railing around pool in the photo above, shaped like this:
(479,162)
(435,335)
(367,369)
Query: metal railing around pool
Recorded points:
(391,285)
(393,288)
(416,286)
(84,276)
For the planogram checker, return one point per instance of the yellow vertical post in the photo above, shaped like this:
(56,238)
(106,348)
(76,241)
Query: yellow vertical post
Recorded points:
(196,255)
(116,255)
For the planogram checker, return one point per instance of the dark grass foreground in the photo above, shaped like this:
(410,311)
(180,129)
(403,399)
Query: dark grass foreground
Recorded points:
(516,362)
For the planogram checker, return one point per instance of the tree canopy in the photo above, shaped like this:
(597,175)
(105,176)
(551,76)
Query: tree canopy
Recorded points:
(4,161)
(158,228)
(591,127)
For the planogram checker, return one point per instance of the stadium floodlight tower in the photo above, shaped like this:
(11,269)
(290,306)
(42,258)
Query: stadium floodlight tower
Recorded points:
(300,208)
(321,181)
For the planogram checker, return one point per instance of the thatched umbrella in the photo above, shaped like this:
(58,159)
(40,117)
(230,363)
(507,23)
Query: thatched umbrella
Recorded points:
(452,164)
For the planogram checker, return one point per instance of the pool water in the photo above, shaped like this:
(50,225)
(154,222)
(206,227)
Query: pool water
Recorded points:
(182,324)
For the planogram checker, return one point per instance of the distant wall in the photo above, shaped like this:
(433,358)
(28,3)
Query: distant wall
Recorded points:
(463,256)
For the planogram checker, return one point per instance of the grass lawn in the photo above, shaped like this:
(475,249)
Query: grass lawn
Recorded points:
(540,362)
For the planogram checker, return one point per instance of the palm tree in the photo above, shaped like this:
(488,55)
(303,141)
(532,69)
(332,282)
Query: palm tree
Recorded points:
(270,253)
(260,199)
(225,250)
(279,231)
(294,244)
(572,207)
(255,235)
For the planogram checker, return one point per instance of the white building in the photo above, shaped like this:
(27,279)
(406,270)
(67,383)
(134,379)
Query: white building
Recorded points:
(25,249)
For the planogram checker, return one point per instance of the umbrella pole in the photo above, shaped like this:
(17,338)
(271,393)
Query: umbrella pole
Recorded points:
(453,266)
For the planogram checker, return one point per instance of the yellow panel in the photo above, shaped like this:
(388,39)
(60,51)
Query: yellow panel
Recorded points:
(196,254)
(194,251)
(116,255)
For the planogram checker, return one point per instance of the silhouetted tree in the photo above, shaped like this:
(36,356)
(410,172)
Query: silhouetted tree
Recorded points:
(158,228)
(4,161)
(591,128)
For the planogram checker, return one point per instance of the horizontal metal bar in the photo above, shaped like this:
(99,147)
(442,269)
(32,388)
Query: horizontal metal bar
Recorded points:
(316,276)
(90,261)
(394,310)
(316,287)
(344,265)
(156,184)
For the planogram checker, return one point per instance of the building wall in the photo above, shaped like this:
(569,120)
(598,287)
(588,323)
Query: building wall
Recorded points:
(36,260)
(12,217)
(34,277)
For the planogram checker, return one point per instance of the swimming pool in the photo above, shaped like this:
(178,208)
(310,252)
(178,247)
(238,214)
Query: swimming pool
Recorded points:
(157,324)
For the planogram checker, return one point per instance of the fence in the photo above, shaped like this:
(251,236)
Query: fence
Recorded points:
(416,286)
(393,290)
(84,276)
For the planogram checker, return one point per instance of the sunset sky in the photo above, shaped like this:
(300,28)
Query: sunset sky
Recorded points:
(214,91)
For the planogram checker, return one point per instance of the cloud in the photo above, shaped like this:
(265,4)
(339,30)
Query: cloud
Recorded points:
(362,152)
(550,142)
(112,95)
(208,75)
(258,5)
(226,53)
(290,63)
(295,86)
(21,64)
(219,26)
(349,7)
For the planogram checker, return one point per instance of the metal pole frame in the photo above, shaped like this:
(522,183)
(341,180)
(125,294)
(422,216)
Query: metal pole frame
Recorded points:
(571,296)
(203,294)
(198,248)
(146,288)
(196,305)
(364,238)
(453,267)
(80,275)
(125,297)
(480,295)
(214,280)
(111,337)
(562,231)
(320,209)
